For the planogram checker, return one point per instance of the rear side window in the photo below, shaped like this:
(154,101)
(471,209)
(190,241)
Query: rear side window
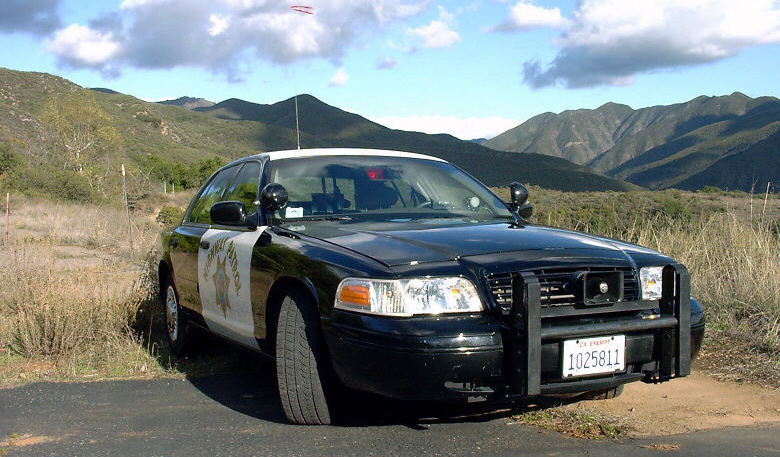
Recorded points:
(245,186)
(210,195)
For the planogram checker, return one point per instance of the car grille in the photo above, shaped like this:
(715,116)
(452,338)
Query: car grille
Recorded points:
(552,283)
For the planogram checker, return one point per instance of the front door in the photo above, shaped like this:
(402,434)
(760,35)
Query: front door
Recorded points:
(185,239)
(224,266)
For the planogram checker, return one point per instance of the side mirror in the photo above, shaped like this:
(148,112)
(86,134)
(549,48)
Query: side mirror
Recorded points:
(273,196)
(518,194)
(228,213)
(519,200)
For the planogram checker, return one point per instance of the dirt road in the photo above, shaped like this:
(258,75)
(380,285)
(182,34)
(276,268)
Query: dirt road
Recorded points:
(697,402)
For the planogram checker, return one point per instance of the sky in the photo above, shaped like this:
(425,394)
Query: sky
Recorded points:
(469,68)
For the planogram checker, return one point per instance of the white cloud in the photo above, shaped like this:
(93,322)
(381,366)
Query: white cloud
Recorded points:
(339,78)
(221,35)
(464,128)
(81,46)
(611,41)
(129,4)
(437,34)
(218,24)
(524,15)
(386,63)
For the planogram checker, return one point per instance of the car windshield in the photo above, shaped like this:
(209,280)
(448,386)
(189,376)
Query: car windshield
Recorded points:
(381,188)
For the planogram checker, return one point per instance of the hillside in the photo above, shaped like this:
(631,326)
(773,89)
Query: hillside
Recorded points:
(575,135)
(236,128)
(660,146)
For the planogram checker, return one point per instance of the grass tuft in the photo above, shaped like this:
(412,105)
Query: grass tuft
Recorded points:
(577,422)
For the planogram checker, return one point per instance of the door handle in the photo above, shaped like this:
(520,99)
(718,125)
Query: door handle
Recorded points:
(174,242)
(204,244)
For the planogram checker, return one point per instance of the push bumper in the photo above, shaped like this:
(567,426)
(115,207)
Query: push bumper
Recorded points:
(478,356)
(658,345)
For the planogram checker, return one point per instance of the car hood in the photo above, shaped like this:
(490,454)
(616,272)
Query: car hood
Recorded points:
(398,244)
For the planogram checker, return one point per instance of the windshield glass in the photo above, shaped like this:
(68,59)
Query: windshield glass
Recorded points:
(380,188)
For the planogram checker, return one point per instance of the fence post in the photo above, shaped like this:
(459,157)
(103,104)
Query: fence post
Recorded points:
(127,209)
(7,216)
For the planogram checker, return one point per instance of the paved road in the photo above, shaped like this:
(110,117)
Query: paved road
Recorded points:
(239,414)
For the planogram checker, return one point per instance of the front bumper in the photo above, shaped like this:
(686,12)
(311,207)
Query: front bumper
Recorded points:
(416,358)
(468,356)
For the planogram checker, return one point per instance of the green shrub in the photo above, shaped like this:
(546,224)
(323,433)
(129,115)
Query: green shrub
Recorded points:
(8,159)
(51,182)
(169,215)
(149,119)
(709,190)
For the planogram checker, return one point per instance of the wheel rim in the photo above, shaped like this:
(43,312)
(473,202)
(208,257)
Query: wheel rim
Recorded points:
(172,313)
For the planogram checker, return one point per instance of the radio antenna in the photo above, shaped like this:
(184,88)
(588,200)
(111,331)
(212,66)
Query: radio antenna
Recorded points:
(297,126)
(306,9)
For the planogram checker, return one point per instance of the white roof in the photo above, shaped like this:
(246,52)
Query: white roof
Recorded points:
(321,152)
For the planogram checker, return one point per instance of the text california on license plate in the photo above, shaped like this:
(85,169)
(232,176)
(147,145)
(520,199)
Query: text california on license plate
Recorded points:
(597,355)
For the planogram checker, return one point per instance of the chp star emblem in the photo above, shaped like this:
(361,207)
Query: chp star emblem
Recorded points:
(222,285)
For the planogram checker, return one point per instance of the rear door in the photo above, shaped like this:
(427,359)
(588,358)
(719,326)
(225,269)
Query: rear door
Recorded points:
(224,267)
(185,239)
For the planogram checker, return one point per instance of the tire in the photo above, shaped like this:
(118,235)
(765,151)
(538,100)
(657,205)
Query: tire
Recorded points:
(301,362)
(605,394)
(177,333)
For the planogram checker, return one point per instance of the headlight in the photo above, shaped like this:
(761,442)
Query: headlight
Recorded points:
(406,297)
(651,279)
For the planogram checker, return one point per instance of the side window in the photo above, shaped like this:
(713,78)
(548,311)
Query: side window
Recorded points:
(244,187)
(212,194)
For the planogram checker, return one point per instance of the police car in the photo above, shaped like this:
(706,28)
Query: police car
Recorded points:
(399,274)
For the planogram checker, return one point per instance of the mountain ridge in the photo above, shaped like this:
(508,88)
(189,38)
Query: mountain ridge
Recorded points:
(151,132)
(636,145)
(188,102)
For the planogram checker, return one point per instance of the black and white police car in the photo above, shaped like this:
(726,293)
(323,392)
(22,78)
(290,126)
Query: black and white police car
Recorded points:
(399,274)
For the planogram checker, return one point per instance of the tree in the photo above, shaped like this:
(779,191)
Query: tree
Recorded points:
(8,159)
(85,135)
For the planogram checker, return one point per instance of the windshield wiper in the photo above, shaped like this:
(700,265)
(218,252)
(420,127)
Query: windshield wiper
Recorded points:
(321,218)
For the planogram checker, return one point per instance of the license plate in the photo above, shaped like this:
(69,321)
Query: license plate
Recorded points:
(599,355)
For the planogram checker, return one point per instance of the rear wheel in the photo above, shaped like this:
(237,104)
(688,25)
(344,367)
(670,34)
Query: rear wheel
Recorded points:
(604,394)
(301,361)
(176,327)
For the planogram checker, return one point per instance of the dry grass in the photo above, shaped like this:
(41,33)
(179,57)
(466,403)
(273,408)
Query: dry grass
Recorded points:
(578,421)
(98,227)
(73,289)
(71,319)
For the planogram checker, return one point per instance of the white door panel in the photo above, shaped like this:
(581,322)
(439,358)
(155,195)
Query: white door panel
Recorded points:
(224,283)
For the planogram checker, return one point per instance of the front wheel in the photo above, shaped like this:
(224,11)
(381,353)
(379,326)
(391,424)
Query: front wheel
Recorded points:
(301,361)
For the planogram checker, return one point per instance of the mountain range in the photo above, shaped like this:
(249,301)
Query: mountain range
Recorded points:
(731,142)
(236,128)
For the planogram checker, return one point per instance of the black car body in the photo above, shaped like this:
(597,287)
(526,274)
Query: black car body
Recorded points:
(509,310)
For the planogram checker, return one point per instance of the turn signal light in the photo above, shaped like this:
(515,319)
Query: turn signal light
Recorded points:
(356,295)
